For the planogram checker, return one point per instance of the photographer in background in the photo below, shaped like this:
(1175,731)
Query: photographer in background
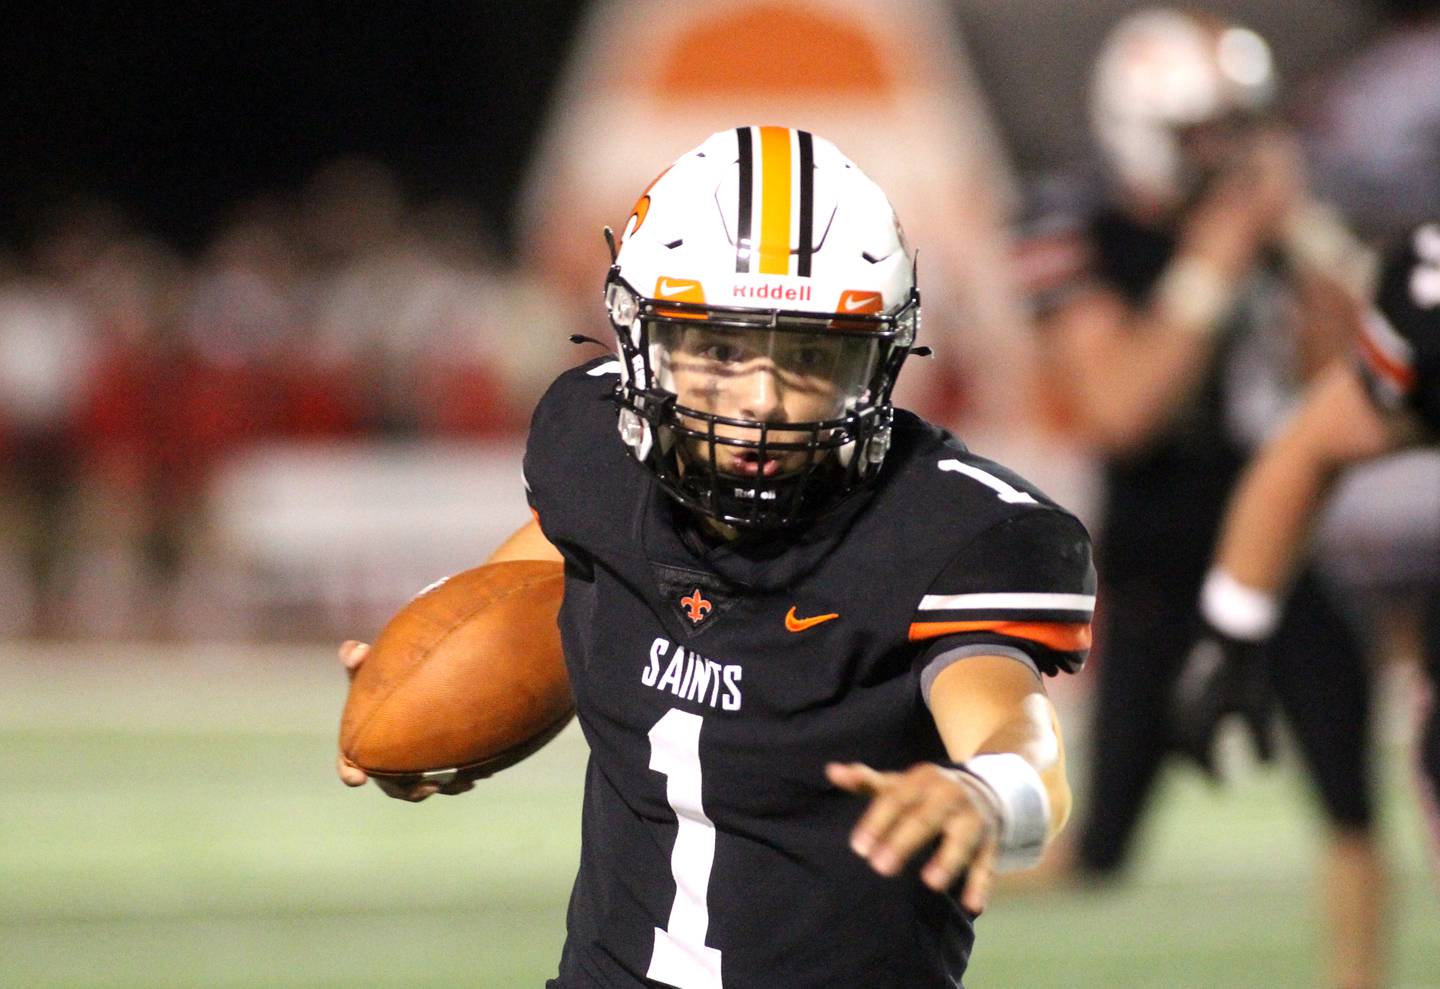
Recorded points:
(1179,315)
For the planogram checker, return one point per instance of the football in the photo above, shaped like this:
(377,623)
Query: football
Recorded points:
(467,678)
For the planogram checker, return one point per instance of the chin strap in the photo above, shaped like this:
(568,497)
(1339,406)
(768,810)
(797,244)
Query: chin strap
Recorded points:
(578,338)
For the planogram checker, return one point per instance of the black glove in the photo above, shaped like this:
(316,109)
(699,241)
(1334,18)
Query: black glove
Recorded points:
(1222,677)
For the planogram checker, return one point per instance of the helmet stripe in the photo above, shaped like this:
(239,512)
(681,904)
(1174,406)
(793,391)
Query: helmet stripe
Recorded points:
(775,200)
(743,138)
(807,202)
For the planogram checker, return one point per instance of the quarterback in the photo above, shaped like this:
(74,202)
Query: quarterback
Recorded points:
(806,631)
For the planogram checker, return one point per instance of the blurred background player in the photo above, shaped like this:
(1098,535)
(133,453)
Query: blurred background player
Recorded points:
(1181,313)
(1385,398)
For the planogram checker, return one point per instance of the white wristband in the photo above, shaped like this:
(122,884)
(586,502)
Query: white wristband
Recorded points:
(1022,807)
(1236,610)
(1317,237)
(1194,295)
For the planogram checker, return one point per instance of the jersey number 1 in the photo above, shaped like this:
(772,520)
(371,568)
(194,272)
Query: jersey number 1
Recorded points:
(681,957)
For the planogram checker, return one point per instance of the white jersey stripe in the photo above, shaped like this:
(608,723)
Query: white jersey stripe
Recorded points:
(1386,339)
(1008,493)
(1004,602)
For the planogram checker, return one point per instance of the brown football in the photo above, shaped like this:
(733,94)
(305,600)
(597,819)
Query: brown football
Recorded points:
(468,676)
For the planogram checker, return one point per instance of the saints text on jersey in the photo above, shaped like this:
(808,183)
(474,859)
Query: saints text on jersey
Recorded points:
(691,676)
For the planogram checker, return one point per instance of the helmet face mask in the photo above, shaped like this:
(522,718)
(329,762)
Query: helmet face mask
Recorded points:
(758,418)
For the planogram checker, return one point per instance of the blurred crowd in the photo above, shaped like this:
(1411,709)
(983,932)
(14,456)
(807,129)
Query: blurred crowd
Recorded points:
(130,371)
(351,310)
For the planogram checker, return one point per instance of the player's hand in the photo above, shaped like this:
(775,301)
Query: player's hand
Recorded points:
(1247,204)
(1222,677)
(909,810)
(352,654)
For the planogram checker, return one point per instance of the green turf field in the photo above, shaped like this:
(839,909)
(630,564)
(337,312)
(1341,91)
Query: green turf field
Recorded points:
(170,818)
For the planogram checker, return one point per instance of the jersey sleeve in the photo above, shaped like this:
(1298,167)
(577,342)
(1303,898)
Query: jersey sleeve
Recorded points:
(1397,351)
(573,457)
(1025,587)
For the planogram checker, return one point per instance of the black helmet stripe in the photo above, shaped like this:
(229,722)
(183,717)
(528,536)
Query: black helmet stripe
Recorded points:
(744,137)
(807,203)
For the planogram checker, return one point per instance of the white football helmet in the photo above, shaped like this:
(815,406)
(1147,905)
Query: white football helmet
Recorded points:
(763,248)
(1161,71)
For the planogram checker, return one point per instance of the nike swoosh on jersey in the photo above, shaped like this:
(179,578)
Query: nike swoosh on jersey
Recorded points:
(795,624)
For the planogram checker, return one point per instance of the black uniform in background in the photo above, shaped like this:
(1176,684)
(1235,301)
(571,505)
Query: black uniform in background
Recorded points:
(1398,356)
(1162,509)
(714,681)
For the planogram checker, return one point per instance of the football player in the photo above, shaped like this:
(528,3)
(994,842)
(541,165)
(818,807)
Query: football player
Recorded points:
(806,631)
(1180,309)
(1386,398)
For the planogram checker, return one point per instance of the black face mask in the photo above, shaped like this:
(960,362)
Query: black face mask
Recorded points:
(758,473)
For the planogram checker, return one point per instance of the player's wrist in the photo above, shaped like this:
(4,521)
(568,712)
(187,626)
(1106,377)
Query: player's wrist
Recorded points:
(1013,795)
(1314,237)
(1237,611)
(1194,294)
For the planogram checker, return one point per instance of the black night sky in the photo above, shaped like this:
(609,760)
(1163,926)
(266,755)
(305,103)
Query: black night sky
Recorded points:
(175,112)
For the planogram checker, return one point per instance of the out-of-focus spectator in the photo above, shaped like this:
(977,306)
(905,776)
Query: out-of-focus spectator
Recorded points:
(1372,126)
(134,290)
(47,351)
(1180,311)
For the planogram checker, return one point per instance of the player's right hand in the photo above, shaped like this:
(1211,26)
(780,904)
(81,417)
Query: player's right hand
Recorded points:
(352,654)
(1247,204)
(910,811)
(1222,677)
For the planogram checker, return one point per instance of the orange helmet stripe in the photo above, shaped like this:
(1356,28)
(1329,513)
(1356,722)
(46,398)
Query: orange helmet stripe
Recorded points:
(1060,636)
(775,200)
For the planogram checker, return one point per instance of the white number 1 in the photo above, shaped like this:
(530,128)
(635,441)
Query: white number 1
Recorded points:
(681,957)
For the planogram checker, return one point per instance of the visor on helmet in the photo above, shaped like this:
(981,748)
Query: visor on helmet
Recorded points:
(779,376)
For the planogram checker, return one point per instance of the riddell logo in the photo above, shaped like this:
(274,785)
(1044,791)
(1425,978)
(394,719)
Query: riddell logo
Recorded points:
(780,293)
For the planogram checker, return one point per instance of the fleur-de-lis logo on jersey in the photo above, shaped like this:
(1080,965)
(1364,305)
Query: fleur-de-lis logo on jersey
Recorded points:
(696,607)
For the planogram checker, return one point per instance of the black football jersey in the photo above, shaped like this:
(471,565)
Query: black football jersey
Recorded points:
(1172,490)
(714,681)
(1398,350)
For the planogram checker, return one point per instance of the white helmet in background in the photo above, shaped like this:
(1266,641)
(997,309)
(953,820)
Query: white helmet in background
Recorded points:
(764,241)
(1162,71)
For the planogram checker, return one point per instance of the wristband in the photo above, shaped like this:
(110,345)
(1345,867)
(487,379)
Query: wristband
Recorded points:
(1317,238)
(1016,796)
(1236,610)
(1194,294)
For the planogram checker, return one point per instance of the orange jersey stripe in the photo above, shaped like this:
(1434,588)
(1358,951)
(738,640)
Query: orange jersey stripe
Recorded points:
(1060,636)
(774,200)
(1386,366)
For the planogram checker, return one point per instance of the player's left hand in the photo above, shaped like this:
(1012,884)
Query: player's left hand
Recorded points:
(1222,677)
(910,809)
